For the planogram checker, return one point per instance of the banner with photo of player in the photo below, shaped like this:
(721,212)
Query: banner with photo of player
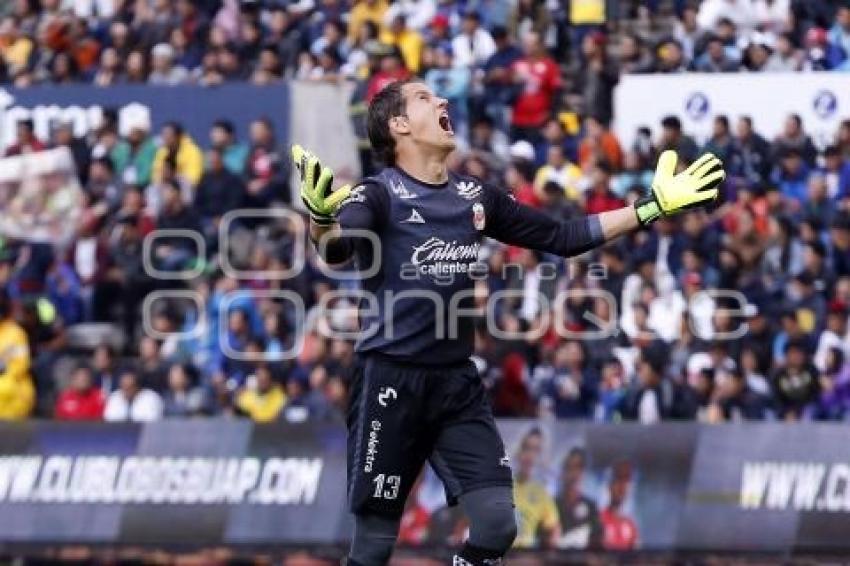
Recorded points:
(578,486)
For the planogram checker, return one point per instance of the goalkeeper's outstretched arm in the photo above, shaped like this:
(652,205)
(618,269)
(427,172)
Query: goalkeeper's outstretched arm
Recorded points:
(670,194)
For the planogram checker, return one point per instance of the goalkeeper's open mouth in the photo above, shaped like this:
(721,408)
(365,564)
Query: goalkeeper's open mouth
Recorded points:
(446,123)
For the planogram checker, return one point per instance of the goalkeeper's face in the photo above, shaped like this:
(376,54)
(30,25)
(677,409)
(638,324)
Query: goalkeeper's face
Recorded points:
(428,118)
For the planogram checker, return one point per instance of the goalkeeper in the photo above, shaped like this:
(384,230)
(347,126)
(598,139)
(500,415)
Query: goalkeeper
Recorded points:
(415,395)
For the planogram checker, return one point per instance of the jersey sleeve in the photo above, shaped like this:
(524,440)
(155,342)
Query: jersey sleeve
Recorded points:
(513,223)
(365,209)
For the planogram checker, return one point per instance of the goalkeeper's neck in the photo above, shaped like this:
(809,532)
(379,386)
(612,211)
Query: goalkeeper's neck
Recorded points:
(430,167)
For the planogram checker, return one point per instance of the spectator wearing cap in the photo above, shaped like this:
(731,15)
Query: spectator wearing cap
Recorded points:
(234,153)
(178,147)
(26,140)
(408,41)
(796,383)
(163,69)
(132,402)
(540,79)
(673,138)
(134,155)
(807,302)
(791,176)
(474,45)
(365,10)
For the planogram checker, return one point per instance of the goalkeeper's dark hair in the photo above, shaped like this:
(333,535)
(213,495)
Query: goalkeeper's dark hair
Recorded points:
(387,104)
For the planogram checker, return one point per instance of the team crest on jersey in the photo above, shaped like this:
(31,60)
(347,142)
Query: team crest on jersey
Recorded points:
(399,190)
(478,218)
(468,190)
(356,195)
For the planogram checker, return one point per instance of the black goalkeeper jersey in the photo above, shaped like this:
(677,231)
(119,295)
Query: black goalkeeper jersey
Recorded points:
(418,295)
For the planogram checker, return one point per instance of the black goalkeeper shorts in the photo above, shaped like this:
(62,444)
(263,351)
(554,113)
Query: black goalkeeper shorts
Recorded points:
(401,415)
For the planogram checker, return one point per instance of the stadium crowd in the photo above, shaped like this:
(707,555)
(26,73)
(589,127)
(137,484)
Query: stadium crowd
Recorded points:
(531,91)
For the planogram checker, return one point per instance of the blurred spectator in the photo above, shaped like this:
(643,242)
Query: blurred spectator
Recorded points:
(266,171)
(655,398)
(793,137)
(263,398)
(82,400)
(540,78)
(715,58)
(132,402)
(408,41)
(673,138)
(796,383)
(26,141)
(183,398)
(363,11)
(180,148)
(474,45)
(164,71)
(620,531)
(17,393)
(234,153)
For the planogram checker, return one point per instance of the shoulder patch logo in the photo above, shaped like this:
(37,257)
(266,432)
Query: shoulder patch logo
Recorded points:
(468,189)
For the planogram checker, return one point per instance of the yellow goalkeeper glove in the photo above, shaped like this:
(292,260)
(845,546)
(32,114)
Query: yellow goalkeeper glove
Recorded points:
(321,202)
(671,193)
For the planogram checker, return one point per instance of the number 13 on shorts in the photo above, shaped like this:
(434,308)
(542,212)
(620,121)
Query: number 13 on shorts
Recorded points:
(392,484)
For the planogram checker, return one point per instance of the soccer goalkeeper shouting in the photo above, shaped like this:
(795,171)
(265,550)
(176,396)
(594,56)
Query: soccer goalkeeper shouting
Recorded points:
(415,395)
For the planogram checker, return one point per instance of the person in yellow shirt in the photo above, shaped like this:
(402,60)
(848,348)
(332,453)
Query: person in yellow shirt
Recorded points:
(17,392)
(263,402)
(188,158)
(537,514)
(365,10)
(409,42)
(15,48)
(560,170)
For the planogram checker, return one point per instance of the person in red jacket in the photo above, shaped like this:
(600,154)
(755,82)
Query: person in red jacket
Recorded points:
(540,78)
(81,401)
